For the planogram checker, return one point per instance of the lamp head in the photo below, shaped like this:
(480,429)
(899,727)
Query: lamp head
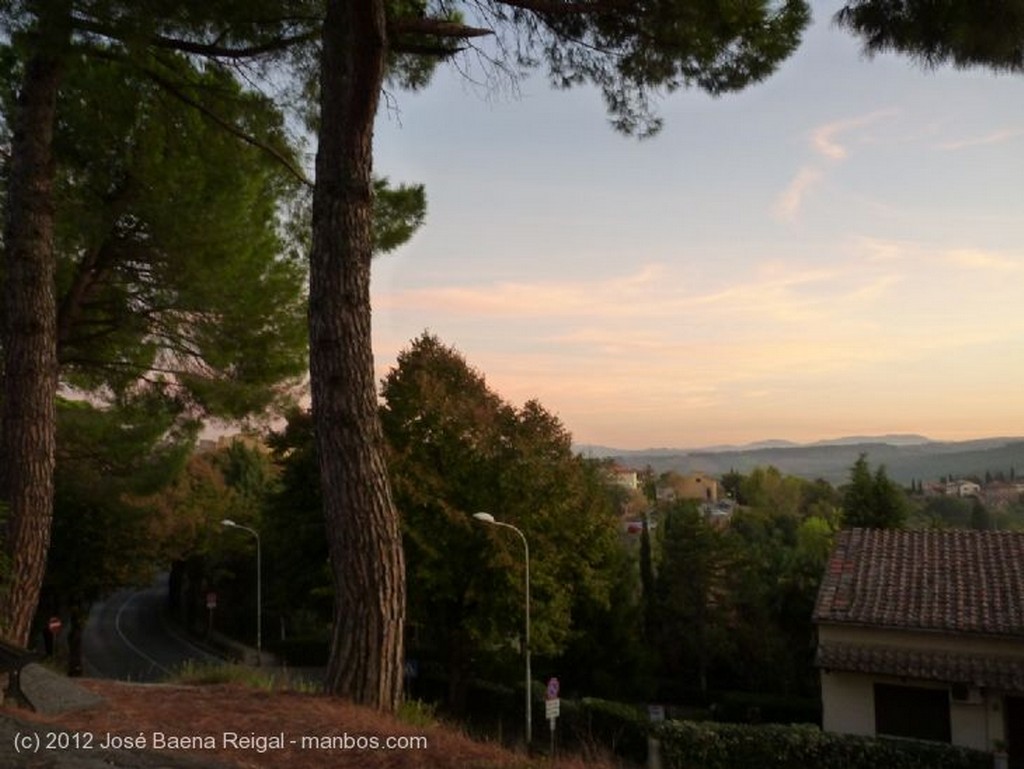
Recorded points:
(228,522)
(485,517)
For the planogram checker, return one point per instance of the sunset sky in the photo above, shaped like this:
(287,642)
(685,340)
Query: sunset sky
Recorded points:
(836,251)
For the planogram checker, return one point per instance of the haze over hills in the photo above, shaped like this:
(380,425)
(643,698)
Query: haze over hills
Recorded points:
(906,457)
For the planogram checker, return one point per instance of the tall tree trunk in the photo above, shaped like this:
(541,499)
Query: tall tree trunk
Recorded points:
(27,447)
(366,661)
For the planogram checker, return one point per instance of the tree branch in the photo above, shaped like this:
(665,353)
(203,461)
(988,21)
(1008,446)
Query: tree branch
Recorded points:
(211,50)
(174,90)
(437,28)
(573,8)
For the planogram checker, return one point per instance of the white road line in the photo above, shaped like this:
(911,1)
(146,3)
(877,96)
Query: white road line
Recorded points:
(129,644)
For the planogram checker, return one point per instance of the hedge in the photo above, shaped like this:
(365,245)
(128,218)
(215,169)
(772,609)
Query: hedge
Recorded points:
(615,727)
(707,745)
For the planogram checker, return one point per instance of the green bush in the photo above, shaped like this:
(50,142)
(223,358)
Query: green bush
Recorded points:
(691,745)
(595,725)
(753,708)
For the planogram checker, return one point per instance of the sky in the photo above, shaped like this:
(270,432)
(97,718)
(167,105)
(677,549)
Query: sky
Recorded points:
(838,250)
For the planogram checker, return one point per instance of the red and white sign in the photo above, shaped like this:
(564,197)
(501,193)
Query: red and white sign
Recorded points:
(211,600)
(54,625)
(553,688)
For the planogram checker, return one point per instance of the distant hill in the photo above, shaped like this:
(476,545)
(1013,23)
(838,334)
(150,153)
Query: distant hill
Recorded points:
(906,457)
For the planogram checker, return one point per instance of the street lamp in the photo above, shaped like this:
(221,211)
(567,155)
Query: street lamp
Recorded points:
(259,586)
(488,518)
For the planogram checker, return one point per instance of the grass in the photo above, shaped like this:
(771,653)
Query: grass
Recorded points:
(266,679)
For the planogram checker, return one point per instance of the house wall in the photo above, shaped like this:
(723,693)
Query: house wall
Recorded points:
(848,698)
(848,703)
(698,486)
(848,707)
(974,724)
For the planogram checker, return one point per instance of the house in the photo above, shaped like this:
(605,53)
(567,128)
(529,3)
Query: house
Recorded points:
(962,488)
(1000,494)
(699,486)
(921,635)
(623,476)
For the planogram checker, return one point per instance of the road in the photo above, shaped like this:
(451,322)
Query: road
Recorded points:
(128,638)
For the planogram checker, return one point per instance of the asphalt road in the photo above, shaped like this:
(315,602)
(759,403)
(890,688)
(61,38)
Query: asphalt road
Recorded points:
(128,638)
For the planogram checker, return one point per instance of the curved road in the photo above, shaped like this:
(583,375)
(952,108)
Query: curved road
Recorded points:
(127,637)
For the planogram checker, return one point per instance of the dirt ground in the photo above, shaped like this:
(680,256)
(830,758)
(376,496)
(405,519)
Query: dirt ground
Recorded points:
(235,727)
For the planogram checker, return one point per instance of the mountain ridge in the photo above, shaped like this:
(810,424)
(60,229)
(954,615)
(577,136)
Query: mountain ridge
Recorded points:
(906,457)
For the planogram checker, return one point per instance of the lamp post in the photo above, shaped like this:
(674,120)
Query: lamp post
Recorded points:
(259,586)
(488,518)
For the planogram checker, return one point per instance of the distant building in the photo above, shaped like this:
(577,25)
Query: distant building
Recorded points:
(963,488)
(622,476)
(921,635)
(699,486)
(1000,494)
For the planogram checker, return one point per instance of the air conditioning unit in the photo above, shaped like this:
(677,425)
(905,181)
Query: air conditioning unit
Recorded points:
(965,694)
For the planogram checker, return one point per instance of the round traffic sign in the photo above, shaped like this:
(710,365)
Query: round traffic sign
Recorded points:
(552,689)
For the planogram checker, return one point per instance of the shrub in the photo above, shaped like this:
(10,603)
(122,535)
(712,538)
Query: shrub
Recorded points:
(691,745)
(598,726)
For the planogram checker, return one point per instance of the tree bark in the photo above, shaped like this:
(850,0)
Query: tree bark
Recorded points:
(364,539)
(28,423)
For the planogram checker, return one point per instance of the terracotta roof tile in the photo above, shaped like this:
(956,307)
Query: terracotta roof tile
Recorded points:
(960,581)
(979,670)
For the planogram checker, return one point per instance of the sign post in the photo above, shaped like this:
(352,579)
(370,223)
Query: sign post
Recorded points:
(656,714)
(211,604)
(552,706)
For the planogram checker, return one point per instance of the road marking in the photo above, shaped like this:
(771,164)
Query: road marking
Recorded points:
(129,644)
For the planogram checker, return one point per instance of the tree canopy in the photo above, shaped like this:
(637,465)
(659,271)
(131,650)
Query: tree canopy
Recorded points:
(964,33)
(456,448)
(873,500)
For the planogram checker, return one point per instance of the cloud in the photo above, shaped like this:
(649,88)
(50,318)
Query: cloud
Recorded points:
(996,137)
(825,142)
(825,138)
(532,299)
(791,200)
(974,259)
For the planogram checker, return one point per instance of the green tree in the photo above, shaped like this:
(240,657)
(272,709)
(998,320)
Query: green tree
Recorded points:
(647,581)
(28,416)
(43,34)
(981,518)
(103,538)
(146,140)
(770,490)
(859,494)
(942,511)
(690,585)
(873,501)
(958,32)
(212,312)
(293,525)
(456,448)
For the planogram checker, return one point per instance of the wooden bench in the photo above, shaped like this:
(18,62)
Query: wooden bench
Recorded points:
(12,660)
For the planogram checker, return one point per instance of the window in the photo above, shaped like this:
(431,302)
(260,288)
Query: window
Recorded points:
(910,711)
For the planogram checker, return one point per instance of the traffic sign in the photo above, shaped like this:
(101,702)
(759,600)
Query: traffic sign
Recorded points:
(211,600)
(553,687)
(54,624)
(551,710)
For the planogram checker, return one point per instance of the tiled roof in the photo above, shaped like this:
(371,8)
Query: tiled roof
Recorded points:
(978,670)
(959,581)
